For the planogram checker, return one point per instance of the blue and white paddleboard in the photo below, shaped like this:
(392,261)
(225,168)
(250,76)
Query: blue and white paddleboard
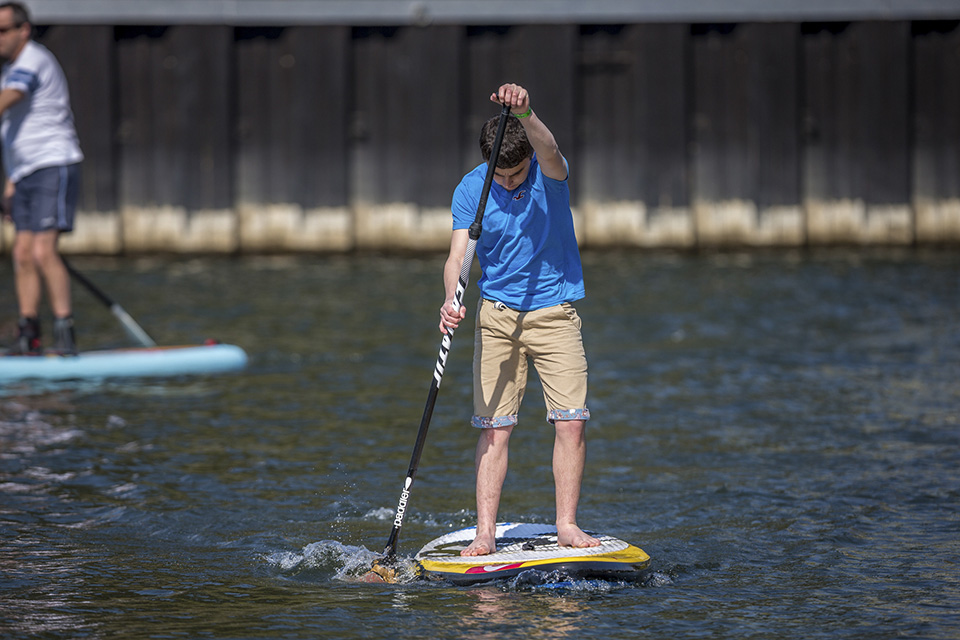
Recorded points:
(139,362)
(522,547)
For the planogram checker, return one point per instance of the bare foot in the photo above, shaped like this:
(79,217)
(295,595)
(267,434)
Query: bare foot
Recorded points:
(481,546)
(571,535)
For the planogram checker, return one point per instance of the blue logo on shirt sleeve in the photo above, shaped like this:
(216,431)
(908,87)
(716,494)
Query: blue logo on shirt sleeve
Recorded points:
(23,80)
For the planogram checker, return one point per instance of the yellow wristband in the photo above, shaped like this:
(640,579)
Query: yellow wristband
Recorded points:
(524,115)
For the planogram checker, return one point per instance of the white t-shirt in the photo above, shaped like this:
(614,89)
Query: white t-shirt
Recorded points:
(38,130)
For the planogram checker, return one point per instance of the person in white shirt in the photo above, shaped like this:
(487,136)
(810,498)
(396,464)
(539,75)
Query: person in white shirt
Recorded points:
(41,156)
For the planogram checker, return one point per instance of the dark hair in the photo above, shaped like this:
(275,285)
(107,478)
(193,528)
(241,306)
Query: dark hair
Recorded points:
(515,147)
(20,14)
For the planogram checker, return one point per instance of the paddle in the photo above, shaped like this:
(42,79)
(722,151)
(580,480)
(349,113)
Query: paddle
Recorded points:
(380,568)
(135,330)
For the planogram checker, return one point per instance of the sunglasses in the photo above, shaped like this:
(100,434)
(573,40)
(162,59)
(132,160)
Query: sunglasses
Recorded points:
(11,28)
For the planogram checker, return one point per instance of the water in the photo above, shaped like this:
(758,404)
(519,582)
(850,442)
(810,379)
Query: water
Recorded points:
(779,431)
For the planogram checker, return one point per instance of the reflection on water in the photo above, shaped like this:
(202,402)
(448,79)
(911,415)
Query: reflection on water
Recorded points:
(778,431)
(495,613)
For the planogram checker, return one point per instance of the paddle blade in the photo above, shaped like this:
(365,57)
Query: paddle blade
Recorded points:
(380,573)
(133,329)
(392,570)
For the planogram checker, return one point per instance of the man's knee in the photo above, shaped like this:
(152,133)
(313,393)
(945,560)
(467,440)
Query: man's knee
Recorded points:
(495,436)
(573,429)
(45,249)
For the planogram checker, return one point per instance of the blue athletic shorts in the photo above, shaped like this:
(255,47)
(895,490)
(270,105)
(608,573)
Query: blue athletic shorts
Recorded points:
(47,199)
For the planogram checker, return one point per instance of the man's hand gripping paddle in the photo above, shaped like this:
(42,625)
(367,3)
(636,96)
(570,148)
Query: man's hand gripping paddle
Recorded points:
(385,569)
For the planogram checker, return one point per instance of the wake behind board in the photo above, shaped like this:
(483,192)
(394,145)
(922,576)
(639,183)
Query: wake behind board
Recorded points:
(523,546)
(140,362)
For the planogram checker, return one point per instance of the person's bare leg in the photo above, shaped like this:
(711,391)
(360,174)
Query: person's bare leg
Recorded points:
(569,457)
(26,274)
(491,468)
(54,272)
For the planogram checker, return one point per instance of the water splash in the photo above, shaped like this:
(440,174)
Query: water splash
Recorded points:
(380,513)
(333,560)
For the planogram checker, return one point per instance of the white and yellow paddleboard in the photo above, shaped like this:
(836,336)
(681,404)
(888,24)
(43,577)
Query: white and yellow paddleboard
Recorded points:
(523,546)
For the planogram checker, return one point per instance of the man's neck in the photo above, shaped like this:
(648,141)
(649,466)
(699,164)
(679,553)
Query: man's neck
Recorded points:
(16,54)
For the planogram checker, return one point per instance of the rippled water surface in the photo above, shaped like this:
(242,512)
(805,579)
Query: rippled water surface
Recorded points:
(781,432)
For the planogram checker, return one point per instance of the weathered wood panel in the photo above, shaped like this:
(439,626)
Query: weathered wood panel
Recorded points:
(79,49)
(857,162)
(406,87)
(217,138)
(176,151)
(746,156)
(292,143)
(631,165)
(936,144)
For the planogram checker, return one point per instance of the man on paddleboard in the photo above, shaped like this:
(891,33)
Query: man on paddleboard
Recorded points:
(41,156)
(531,276)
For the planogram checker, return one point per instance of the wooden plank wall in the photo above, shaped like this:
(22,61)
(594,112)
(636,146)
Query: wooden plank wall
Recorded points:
(292,138)
(857,132)
(746,153)
(332,138)
(935,128)
(175,108)
(631,170)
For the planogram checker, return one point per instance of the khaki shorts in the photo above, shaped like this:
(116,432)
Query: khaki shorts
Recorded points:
(504,340)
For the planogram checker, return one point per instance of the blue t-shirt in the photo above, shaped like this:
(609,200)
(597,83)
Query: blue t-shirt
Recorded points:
(527,248)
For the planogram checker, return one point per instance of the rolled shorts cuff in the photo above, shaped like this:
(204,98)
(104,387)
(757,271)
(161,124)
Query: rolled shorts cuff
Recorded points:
(481,422)
(568,414)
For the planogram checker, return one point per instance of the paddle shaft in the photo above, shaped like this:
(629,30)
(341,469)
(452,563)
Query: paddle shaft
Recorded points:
(474,234)
(134,329)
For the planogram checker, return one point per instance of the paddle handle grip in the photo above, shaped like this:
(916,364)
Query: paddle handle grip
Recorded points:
(477,227)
